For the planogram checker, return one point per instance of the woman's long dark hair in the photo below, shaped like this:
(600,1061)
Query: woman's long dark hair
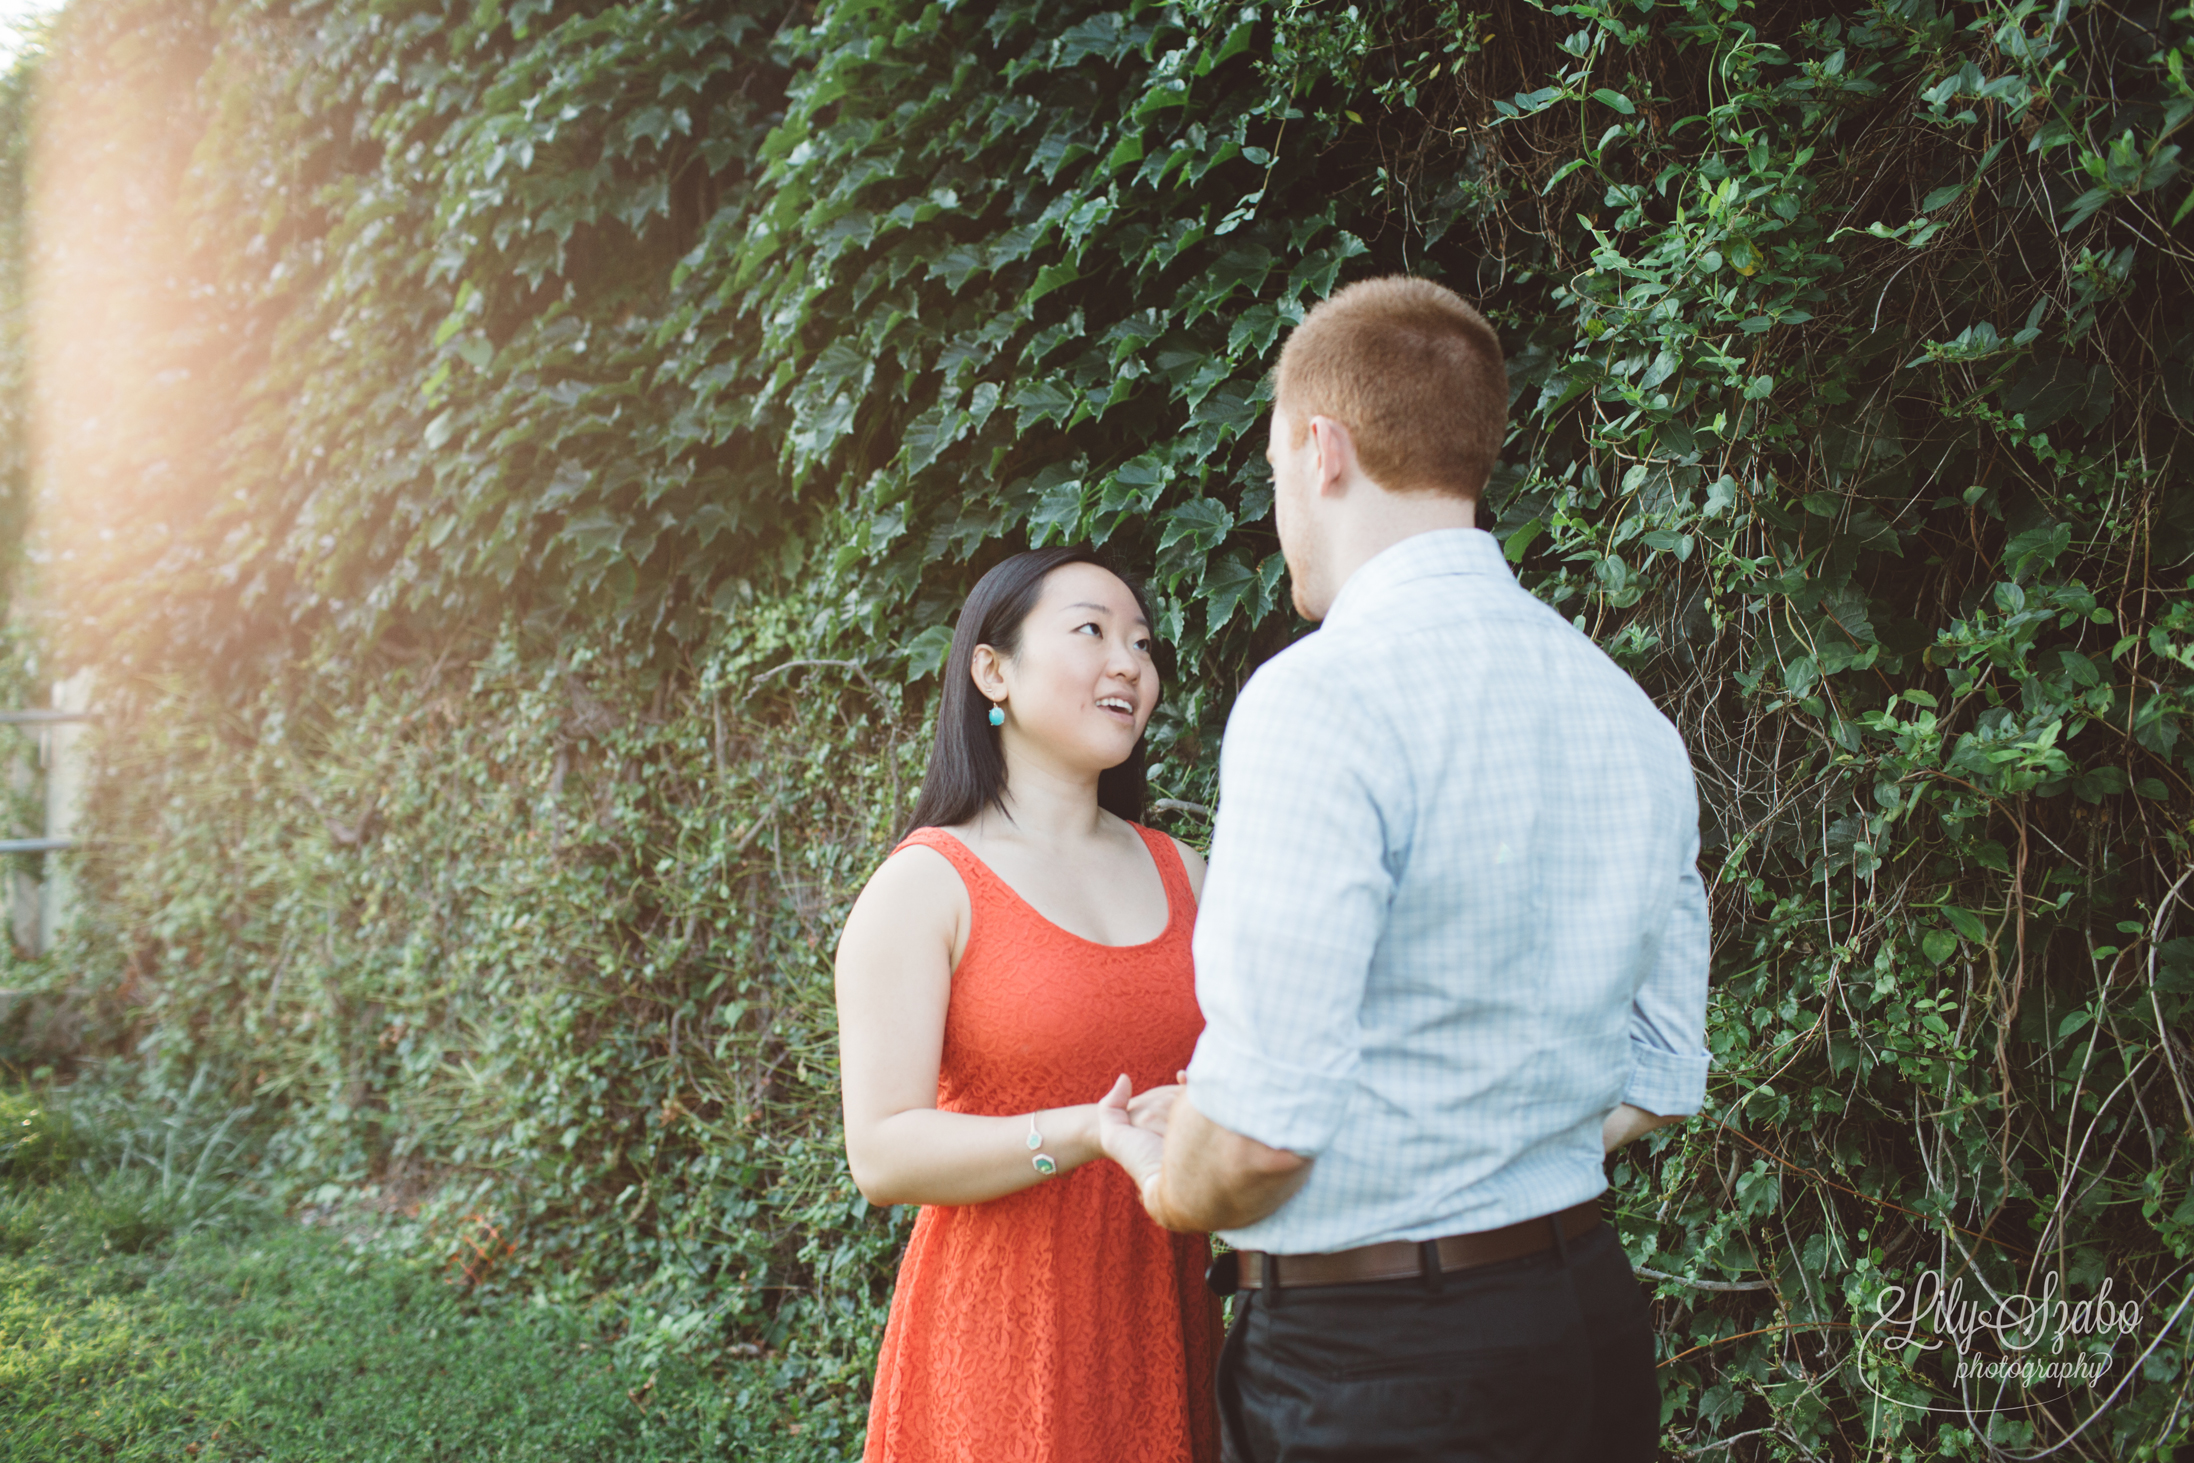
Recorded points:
(967,765)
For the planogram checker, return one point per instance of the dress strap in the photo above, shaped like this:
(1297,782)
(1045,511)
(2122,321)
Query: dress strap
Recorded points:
(963,858)
(982,885)
(1171,871)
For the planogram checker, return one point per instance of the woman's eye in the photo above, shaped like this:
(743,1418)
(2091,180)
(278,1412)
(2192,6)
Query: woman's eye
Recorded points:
(1090,626)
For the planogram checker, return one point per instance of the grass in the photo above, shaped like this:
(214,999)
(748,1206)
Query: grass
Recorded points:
(142,1317)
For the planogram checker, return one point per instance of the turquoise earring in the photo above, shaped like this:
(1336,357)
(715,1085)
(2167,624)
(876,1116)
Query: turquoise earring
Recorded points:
(997,714)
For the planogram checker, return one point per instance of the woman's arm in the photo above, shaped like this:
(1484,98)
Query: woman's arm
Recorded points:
(895,964)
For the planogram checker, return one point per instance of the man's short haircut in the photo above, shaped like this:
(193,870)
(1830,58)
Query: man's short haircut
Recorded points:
(1413,372)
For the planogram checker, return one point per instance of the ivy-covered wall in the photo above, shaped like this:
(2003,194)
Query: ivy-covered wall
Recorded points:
(528,455)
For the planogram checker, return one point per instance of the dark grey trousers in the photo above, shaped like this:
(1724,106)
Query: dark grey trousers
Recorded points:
(1548,1357)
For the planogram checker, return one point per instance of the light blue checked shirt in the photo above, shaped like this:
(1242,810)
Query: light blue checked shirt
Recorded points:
(1454,913)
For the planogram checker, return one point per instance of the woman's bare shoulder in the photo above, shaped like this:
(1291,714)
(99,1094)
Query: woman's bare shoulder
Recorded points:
(916,875)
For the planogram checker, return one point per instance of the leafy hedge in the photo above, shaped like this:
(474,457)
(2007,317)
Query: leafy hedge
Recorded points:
(568,430)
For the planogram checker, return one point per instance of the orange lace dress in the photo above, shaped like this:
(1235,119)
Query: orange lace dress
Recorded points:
(1057,1324)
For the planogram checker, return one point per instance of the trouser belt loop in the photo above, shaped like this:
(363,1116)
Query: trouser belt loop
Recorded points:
(1561,1242)
(1428,1261)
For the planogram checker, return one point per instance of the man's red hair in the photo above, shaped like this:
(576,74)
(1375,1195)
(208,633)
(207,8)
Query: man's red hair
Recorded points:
(1413,372)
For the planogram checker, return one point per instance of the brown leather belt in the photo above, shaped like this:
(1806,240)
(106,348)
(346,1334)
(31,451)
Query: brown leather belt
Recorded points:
(1401,1258)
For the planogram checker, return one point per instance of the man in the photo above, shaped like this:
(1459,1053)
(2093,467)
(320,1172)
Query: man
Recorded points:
(1452,949)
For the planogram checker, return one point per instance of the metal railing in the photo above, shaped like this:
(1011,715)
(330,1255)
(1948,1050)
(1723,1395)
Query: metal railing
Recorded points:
(39,718)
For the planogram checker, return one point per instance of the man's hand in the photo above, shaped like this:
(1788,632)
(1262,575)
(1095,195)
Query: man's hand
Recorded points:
(1627,1123)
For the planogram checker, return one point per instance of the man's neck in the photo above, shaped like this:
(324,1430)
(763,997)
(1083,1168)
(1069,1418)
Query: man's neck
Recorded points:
(1387,519)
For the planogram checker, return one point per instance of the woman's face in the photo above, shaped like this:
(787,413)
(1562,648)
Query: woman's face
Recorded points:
(1082,685)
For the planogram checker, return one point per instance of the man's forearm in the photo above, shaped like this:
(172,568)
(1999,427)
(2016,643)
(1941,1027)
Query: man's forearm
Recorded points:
(1214,1178)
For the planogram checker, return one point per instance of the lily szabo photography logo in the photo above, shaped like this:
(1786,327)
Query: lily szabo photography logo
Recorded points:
(2012,1352)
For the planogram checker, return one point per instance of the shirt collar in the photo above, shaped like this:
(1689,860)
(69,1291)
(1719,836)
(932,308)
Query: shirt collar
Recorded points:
(1420,556)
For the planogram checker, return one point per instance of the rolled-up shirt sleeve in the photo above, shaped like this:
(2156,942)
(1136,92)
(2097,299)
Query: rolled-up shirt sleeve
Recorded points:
(1668,1057)
(1293,907)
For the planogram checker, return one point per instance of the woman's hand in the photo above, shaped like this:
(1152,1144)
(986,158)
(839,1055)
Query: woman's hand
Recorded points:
(1149,1108)
(1627,1124)
(1125,1141)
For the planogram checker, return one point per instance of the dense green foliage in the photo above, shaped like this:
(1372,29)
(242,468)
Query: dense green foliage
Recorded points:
(141,1325)
(575,426)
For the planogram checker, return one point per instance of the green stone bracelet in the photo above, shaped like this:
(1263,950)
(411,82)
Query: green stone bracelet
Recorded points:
(1045,1163)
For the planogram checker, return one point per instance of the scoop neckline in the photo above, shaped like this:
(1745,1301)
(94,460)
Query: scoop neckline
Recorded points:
(1164,884)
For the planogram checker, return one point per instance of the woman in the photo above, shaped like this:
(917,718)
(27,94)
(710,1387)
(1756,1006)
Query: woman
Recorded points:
(1023,953)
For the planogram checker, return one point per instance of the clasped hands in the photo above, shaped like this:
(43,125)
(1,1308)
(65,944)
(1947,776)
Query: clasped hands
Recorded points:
(1131,1126)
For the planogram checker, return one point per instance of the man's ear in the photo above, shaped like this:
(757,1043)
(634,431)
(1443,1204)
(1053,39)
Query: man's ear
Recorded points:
(1335,459)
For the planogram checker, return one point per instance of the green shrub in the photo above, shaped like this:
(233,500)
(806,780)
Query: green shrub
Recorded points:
(22,1210)
(131,1211)
(38,1142)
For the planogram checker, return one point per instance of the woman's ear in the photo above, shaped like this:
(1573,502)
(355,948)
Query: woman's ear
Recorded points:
(984,670)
